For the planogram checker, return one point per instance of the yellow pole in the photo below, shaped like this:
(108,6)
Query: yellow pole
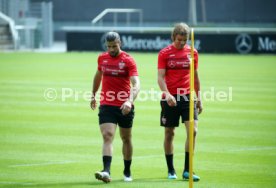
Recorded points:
(191,113)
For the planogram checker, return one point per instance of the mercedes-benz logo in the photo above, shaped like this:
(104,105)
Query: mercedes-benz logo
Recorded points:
(171,64)
(243,43)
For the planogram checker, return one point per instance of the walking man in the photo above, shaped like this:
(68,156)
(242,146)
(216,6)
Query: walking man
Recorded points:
(174,82)
(116,71)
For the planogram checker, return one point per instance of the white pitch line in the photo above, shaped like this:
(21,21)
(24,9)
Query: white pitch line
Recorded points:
(137,157)
(231,150)
(42,164)
(253,149)
(15,183)
(153,156)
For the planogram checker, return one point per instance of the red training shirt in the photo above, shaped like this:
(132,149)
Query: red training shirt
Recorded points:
(116,77)
(177,65)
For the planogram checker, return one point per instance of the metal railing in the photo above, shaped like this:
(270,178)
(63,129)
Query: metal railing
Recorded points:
(12,28)
(115,16)
(33,22)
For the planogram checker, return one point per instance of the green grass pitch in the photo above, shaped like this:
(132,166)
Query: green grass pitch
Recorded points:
(58,143)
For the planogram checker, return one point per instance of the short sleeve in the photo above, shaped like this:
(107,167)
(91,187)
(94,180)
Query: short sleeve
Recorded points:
(161,61)
(196,60)
(132,67)
(99,63)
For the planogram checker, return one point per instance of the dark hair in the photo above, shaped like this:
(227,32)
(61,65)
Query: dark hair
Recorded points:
(180,29)
(112,36)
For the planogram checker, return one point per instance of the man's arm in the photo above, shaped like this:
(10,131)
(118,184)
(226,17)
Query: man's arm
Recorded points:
(135,82)
(96,84)
(197,90)
(126,106)
(163,87)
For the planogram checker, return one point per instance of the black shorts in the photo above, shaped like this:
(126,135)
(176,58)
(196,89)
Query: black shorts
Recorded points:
(113,114)
(170,115)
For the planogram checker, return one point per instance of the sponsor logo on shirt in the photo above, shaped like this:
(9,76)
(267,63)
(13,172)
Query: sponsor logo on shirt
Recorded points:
(171,64)
(178,64)
(186,64)
(115,71)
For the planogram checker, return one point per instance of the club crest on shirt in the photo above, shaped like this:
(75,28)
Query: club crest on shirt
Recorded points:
(189,57)
(121,65)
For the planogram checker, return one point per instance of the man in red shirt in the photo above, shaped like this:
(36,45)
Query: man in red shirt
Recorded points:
(174,81)
(116,71)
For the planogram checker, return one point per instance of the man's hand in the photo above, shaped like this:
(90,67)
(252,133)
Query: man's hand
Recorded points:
(93,104)
(199,107)
(170,100)
(126,107)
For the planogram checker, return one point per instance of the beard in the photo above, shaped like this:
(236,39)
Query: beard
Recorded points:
(114,54)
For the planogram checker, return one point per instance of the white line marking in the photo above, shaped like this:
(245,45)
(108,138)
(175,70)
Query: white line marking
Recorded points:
(42,164)
(228,150)
(253,149)
(16,183)
(153,156)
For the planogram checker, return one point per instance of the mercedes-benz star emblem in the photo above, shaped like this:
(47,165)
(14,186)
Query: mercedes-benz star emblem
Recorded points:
(243,43)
